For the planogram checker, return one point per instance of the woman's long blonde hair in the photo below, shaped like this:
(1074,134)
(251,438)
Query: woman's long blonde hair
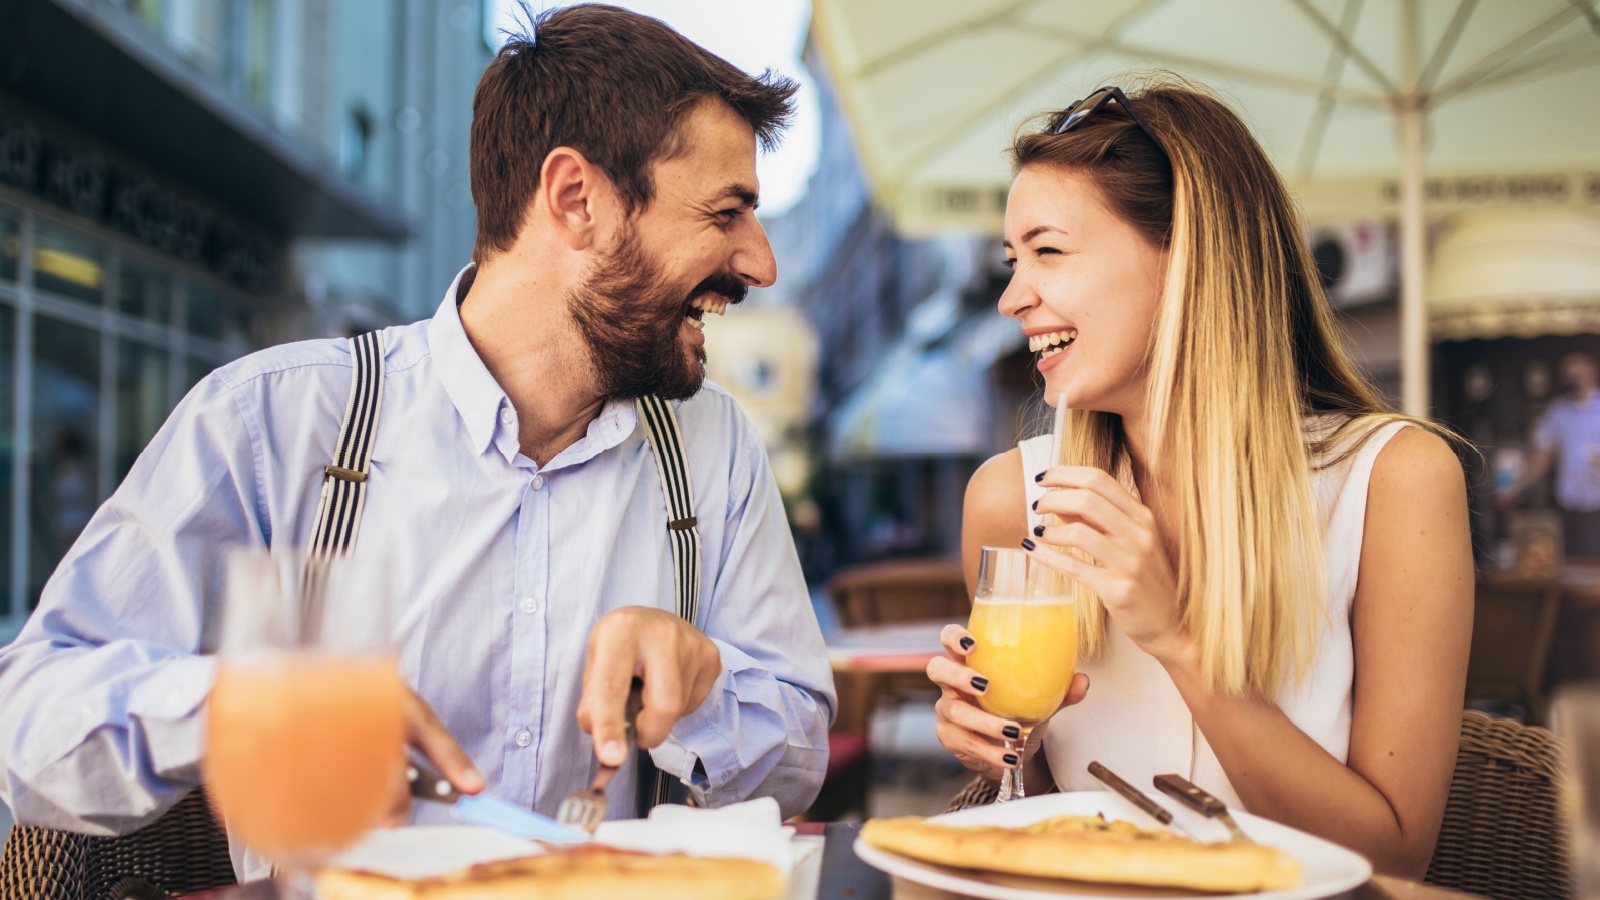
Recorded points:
(1243,353)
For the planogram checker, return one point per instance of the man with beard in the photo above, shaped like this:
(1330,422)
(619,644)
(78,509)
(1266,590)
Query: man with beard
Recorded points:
(512,492)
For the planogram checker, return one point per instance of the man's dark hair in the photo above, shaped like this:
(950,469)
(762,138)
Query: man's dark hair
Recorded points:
(613,85)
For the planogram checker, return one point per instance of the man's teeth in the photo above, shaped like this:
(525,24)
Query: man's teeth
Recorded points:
(697,324)
(707,303)
(1052,343)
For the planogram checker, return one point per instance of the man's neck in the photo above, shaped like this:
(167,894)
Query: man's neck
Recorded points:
(520,328)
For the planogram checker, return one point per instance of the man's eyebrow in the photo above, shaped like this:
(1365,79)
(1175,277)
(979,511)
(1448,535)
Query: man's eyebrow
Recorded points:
(1032,233)
(745,194)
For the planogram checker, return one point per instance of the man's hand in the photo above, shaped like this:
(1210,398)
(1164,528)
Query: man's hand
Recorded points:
(677,663)
(428,736)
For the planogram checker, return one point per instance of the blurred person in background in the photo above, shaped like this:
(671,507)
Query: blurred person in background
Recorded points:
(1276,597)
(1568,441)
(513,492)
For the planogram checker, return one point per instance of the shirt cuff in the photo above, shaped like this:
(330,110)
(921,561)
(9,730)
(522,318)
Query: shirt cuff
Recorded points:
(706,730)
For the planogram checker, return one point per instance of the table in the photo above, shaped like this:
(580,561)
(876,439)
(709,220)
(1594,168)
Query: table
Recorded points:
(843,874)
(867,661)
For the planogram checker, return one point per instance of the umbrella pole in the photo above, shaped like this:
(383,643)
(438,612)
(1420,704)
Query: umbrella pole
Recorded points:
(1413,261)
(1410,110)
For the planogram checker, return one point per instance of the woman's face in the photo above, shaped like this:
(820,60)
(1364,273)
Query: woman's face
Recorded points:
(1084,286)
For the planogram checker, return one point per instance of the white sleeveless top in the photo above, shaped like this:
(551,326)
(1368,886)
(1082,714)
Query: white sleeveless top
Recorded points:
(1135,721)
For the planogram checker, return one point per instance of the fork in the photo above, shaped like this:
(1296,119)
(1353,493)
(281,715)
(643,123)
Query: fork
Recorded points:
(586,809)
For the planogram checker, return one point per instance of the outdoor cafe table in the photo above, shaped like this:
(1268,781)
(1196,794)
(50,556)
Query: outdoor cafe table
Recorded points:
(844,875)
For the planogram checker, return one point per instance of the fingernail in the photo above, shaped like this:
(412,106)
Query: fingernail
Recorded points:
(1028,544)
(1038,531)
(1010,758)
(475,779)
(1011,731)
(966,643)
(1039,477)
(1035,506)
(980,683)
(612,753)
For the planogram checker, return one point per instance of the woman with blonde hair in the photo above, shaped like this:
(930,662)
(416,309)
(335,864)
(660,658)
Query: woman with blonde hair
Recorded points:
(1274,573)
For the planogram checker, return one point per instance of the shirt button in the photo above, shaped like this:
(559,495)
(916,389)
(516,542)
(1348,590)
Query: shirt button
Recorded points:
(505,416)
(530,605)
(538,482)
(524,738)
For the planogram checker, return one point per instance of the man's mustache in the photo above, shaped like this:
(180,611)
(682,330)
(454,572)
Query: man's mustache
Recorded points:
(726,284)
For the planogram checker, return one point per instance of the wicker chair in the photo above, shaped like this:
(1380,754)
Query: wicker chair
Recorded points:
(1502,835)
(183,852)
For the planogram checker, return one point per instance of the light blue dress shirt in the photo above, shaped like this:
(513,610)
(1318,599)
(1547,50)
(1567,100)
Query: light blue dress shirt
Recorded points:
(503,566)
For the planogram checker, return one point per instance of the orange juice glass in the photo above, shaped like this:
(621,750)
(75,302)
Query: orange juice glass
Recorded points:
(305,730)
(1025,624)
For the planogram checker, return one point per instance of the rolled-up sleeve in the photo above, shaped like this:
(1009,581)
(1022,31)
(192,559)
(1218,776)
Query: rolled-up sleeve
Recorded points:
(762,731)
(102,694)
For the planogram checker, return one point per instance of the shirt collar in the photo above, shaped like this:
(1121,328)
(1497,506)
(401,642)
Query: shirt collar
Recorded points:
(479,399)
(476,395)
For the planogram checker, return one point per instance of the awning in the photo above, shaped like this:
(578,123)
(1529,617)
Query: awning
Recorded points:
(95,68)
(1516,274)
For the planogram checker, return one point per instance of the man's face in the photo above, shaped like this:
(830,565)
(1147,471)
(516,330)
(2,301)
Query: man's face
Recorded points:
(1578,372)
(695,250)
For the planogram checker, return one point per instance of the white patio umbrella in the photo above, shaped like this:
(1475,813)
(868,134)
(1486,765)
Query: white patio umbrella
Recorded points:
(1343,93)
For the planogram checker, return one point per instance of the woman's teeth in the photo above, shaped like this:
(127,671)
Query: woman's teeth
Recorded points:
(1052,343)
(708,303)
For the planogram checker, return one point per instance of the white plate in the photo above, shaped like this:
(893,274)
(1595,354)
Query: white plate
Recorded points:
(1326,869)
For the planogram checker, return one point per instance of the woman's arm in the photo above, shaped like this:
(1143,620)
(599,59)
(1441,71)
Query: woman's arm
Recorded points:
(1411,626)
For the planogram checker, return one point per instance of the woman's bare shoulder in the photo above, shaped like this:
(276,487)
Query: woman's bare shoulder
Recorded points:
(996,495)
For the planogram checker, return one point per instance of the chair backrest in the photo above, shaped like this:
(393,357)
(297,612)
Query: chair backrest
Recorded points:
(900,591)
(183,852)
(1503,835)
(1514,621)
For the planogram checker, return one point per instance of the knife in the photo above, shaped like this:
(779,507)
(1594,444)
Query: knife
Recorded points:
(486,809)
(1185,792)
(1135,796)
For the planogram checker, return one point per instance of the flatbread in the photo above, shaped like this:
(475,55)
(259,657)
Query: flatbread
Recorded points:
(585,872)
(1088,848)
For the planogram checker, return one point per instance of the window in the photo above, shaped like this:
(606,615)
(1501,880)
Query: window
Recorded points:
(67,263)
(10,245)
(66,441)
(204,314)
(142,400)
(144,292)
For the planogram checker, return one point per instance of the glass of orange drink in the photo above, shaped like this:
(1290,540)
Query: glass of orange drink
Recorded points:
(305,731)
(1026,627)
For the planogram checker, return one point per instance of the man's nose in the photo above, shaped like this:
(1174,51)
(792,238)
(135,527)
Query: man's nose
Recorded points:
(753,261)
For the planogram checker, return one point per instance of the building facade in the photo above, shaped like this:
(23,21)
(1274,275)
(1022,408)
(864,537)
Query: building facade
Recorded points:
(184,181)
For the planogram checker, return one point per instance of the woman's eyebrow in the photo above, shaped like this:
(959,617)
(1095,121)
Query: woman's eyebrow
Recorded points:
(1034,232)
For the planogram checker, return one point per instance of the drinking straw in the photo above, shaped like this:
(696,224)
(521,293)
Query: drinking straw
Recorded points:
(1059,431)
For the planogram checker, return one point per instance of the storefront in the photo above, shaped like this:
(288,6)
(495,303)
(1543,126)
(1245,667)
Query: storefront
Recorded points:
(100,337)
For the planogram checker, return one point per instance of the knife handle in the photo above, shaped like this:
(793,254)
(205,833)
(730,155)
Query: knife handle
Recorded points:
(1130,793)
(426,784)
(1185,792)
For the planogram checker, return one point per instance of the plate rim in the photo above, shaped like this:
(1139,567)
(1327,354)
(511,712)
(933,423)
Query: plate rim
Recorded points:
(877,858)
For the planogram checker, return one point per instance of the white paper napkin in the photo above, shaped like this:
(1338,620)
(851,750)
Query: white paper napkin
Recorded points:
(752,829)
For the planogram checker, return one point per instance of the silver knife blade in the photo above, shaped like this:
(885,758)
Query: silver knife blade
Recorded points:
(488,810)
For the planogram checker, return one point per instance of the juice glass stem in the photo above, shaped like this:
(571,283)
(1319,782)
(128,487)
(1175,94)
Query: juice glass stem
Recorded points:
(1011,787)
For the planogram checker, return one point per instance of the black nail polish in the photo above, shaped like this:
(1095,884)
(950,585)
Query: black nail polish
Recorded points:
(1010,758)
(1028,544)
(980,683)
(1012,732)
(1038,531)
(966,643)
(1039,477)
(1035,506)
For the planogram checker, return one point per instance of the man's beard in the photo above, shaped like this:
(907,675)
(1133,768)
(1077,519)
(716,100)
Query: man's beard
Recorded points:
(631,319)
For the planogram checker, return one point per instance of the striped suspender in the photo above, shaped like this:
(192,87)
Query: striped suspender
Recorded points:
(661,430)
(344,483)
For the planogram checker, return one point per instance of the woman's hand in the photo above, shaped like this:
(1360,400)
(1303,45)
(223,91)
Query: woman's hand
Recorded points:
(1131,571)
(977,738)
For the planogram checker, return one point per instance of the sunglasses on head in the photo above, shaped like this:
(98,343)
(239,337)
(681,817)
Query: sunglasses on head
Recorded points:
(1074,115)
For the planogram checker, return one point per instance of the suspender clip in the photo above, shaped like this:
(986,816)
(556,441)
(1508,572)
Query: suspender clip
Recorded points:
(343,474)
(683,524)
